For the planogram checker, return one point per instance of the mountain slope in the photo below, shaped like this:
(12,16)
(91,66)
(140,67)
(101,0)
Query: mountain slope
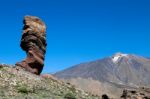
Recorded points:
(110,75)
(120,68)
(15,83)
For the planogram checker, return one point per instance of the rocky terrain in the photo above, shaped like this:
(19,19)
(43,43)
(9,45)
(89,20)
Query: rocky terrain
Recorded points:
(17,83)
(110,75)
(140,93)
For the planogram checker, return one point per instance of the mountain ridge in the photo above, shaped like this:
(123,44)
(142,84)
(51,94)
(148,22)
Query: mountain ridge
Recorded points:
(127,70)
(105,65)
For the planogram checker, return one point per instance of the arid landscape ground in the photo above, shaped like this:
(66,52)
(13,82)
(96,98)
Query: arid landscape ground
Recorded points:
(16,83)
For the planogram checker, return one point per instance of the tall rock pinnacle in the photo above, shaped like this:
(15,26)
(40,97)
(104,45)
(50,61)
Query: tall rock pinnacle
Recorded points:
(33,41)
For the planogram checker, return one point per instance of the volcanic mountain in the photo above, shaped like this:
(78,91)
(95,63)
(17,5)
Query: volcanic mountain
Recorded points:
(111,73)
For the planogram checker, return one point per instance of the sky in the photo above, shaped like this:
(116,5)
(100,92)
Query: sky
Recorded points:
(77,30)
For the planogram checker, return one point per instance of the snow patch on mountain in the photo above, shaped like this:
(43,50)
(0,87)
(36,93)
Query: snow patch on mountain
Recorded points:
(118,56)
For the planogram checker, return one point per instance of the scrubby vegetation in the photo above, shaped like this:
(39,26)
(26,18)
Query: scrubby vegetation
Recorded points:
(20,84)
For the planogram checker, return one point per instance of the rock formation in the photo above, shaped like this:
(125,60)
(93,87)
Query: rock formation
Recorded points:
(33,41)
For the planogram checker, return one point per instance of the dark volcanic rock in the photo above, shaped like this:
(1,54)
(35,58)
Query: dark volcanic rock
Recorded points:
(141,93)
(105,96)
(33,41)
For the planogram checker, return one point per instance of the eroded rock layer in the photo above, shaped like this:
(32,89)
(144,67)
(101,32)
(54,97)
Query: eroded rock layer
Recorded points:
(33,41)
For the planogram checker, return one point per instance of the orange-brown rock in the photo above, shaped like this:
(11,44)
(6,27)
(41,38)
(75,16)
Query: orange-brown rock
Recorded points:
(48,76)
(33,41)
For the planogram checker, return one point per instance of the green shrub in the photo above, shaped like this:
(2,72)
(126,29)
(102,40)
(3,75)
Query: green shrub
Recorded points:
(70,96)
(23,89)
(73,89)
(1,67)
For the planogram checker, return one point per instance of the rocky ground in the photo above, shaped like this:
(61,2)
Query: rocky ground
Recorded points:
(140,93)
(16,83)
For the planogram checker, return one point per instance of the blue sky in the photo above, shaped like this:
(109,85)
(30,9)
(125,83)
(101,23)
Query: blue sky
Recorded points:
(77,30)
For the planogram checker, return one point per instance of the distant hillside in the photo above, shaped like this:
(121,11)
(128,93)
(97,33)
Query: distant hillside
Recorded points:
(120,68)
(113,73)
(15,83)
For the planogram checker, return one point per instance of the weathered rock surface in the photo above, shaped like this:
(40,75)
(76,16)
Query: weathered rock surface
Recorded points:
(33,41)
(141,93)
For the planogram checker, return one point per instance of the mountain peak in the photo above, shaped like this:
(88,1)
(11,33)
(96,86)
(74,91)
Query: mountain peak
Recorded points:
(120,71)
(116,57)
